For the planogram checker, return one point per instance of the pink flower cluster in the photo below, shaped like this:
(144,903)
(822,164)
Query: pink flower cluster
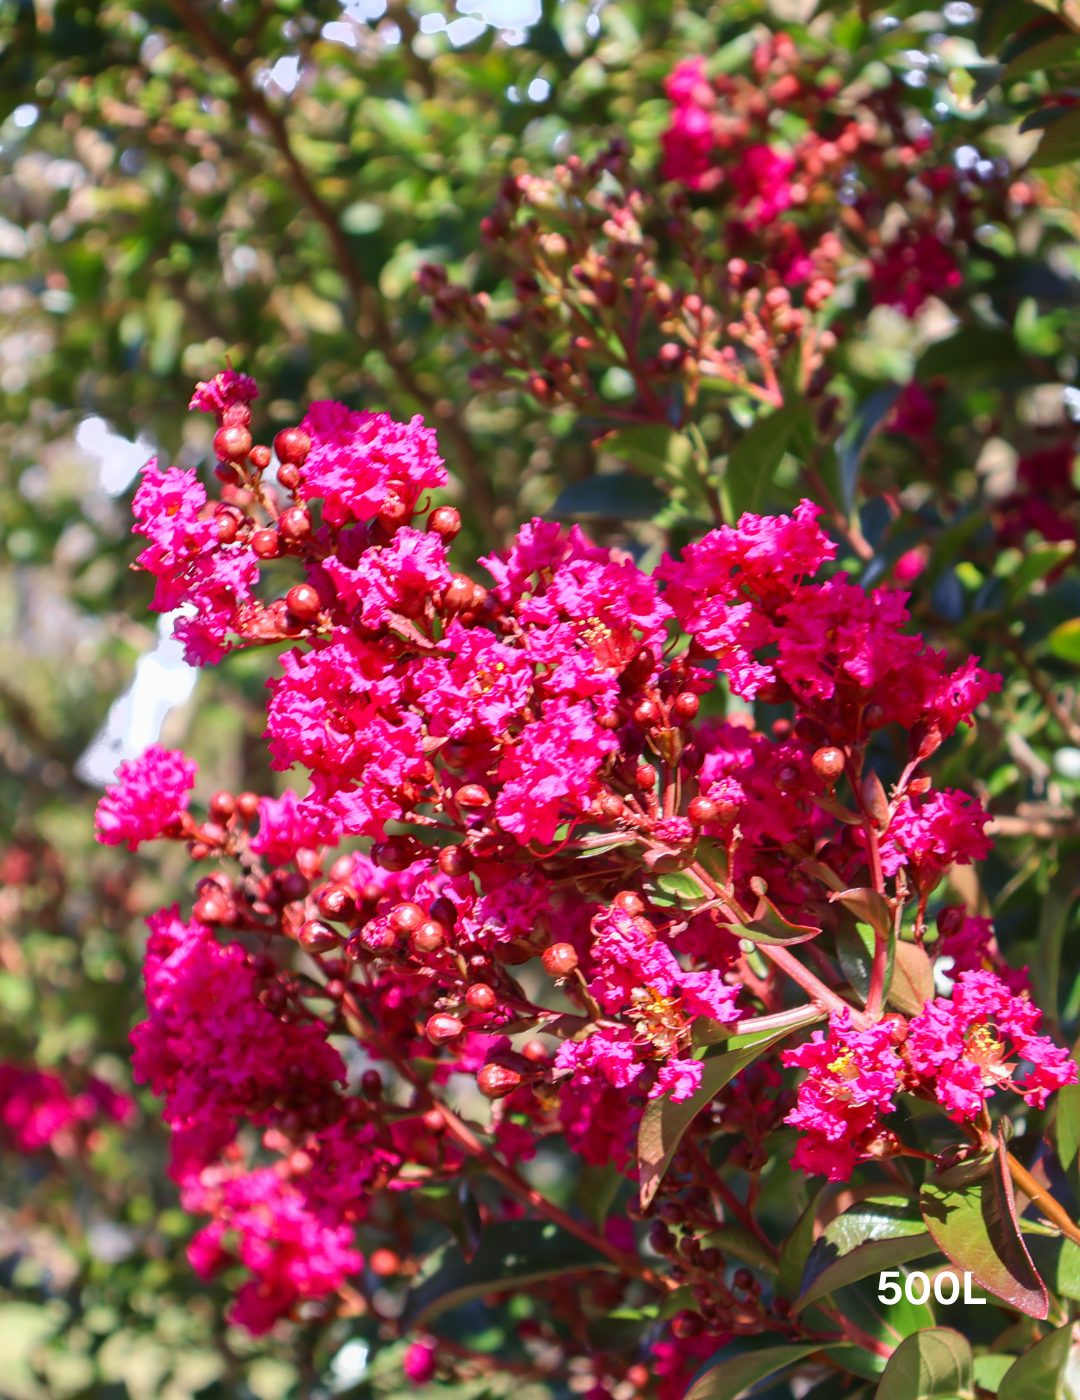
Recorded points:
(529,765)
(38,1110)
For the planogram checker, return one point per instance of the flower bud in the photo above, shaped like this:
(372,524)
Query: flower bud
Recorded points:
(288,476)
(429,936)
(828,764)
(303,602)
(266,544)
(445,522)
(222,805)
(646,713)
(433,1121)
(247,804)
(951,919)
(371,1084)
(236,415)
(213,833)
(481,997)
(232,444)
(260,457)
(874,716)
(686,705)
(406,918)
(612,806)
(292,445)
(394,855)
(441,1028)
(560,959)
(295,523)
(228,527)
(336,902)
(786,777)
(472,795)
(316,937)
(212,909)
(458,594)
(455,861)
(687,1324)
(645,775)
(443,911)
(384,1263)
(702,811)
(629,902)
(495,1081)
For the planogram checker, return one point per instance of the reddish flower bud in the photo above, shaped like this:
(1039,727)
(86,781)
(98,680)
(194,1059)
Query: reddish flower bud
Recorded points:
(951,919)
(247,804)
(443,911)
(608,719)
(228,527)
(213,833)
(226,474)
(645,775)
(454,861)
(371,1084)
(702,811)
(336,902)
(828,764)
(441,1028)
(874,716)
(288,476)
(384,1263)
(629,902)
(232,444)
(786,776)
(295,523)
(560,959)
(686,705)
(260,457)
(395,854)
(687,1324)
(445,522)
(317,937)
(472,795)
(458,594)
(406,918)
(781,730)
(481,997)
(212,909)
(266,544)
(646,713)
(429,937)
(303,602)
(496,1081)
(612,805)
(222,805)
(292,445)
(433,1121)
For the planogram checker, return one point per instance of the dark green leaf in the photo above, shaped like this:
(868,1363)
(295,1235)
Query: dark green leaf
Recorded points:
(876,1234)
(970,1210)
(683,887)
(512,1254)
(1058,49)
(619,1331)
(664,1122)
(651,448)
(742,1245)
(936,1362)
(912,983)
(797,1249)
(731,1378)
(1060,142)
(868,418)
(972,348)
(1057,1260)
(1041,560)
(752,464)
(1040,1373)
(615,496)
(855,949)
(597,1187)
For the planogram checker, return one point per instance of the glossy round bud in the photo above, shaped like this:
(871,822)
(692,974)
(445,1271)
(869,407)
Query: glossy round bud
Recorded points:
(406,918)
(228,527)
(646,713)
(211,909)
(303,601)
(317,937)
(608,719)
(336,902)
(213,833)
(454,861)
(481,997)
(781,730)
(828,764)
(443,911)
(496,1081)
(612,806)
(560,959)
(222,805)
(429,937)
(687,1324)
(458,594)
(295,523)
(472,795)
(629,902)
(260,457)
(395,854)
(445,522)
(786,777)
(702,811)
(433,1121)
(874,716)
(951,919)
(384,1263)
(247,804)
(266,544)
(441,1028)
(645,775)
(232,444)
(743,1280)
(686,705)
(371,1084)
(292,445)
(288,476)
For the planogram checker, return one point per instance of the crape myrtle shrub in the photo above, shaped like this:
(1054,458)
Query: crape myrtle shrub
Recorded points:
(602,926)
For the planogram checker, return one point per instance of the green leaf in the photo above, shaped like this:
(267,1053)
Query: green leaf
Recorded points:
(620,1331)
(970,1210)
(1040,1373)
(1067,1128)
(752,463)
(1065,641)
(683,887)
(869,906)
(876,1234)
(797,1249)
(1058,49)
(730,1378)
(927,1365)
(742,1245)
(611,496)
(1057,1260)
(597,1187)
(1040,560)
(651,448)
(768,924)
(1060,142)
(513,1254)
(912,983)
(664,1122)
(970,349)
(868,418)
(855,949)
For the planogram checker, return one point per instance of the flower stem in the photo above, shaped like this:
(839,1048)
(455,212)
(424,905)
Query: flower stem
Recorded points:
(819,993)
(1042,1200)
